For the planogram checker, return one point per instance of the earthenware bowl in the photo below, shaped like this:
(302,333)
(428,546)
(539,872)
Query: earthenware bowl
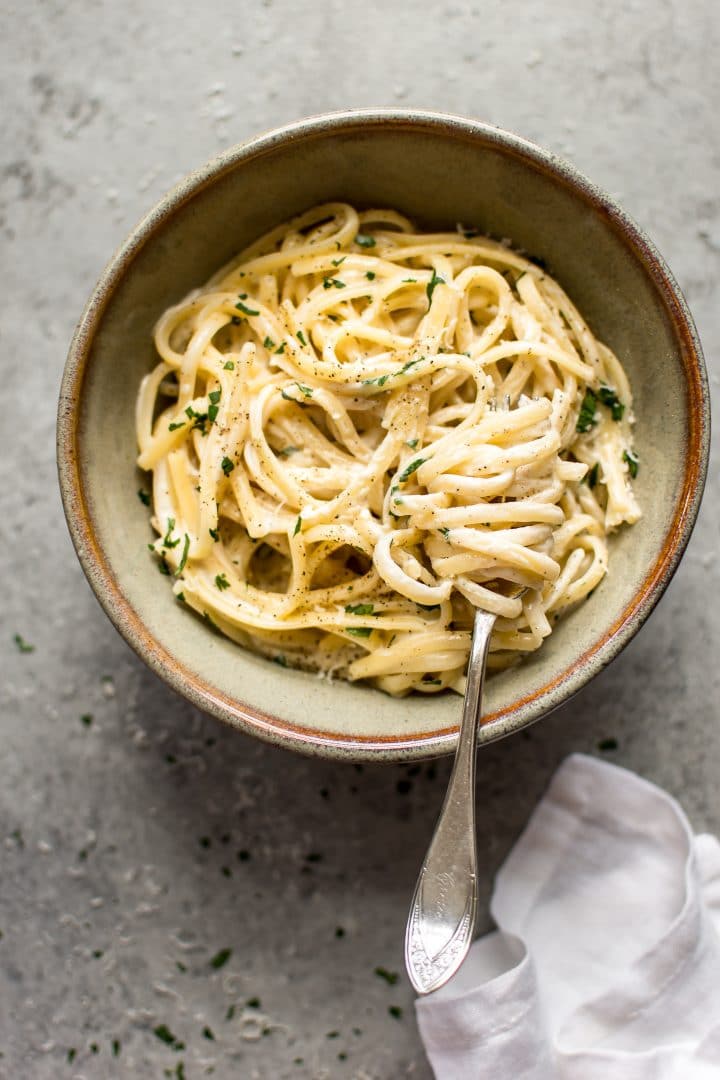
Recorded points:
(439,170)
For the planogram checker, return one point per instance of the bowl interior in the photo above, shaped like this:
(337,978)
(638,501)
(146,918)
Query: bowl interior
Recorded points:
(439,173)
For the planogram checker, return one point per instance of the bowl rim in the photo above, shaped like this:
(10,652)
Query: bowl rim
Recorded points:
(519,713)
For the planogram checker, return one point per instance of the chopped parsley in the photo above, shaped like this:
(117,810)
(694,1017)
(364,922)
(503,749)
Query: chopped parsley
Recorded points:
(199,418)
(608,397)
(166,541)
(306,391)
(370,275)
(220,958)
(227,465)
(22,645)
(298,525)
(144,497)
(183,558)
(221,582)
(409,364)
(301,337)
(379,381)
(360,609)
(213,407)
(586,418)
(268,342)
(432,284)
(229,365)
(280,348)
(163,567)
(409,281)
(633,461)
(359,631)
(288,450)
(390,977)
(411,468)
(608,744)
(412,443)
(244,308)
(592,476)
(174,427)
(364,240)
(164,1034)
(214,533)
(339,262)
(333,282)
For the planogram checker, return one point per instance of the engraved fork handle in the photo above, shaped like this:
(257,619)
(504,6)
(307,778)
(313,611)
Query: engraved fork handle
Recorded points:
(444,906)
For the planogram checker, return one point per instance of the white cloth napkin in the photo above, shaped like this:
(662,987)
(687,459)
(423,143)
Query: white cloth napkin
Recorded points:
(606,964)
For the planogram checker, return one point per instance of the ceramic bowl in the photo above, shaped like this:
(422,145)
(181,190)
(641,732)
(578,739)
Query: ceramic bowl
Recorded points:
(439,170)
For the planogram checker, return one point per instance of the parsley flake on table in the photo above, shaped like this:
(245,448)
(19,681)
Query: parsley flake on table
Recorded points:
(22,645)
(390,977)
(164,1034)
(220,958)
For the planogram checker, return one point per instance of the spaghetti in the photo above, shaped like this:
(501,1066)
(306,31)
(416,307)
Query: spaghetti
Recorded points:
(359,433)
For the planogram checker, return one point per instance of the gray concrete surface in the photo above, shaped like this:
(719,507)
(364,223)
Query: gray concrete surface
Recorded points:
(138,845)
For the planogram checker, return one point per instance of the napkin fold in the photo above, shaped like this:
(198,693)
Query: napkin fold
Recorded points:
(606,963)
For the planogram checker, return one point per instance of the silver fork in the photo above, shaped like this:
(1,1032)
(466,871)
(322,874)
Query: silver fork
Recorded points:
(444,905)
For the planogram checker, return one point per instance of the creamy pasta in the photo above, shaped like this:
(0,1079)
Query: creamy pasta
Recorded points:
(359,433)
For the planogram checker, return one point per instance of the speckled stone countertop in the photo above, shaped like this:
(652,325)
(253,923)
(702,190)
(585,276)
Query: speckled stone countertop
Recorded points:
(176,899)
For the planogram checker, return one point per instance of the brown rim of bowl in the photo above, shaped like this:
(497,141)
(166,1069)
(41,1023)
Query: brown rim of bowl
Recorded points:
(521,712)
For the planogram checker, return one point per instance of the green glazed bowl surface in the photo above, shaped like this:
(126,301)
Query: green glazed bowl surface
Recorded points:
(439,170)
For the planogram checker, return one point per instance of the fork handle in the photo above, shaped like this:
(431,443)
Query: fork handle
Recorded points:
(444,905)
